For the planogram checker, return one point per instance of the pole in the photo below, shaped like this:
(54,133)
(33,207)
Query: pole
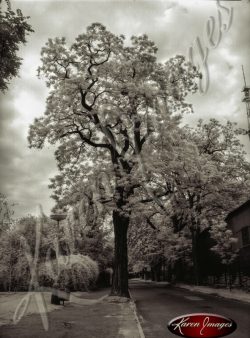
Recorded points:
(246,99)
(57,248)
(244,75)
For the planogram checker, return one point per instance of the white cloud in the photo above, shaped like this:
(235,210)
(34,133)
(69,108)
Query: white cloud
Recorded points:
(28,107)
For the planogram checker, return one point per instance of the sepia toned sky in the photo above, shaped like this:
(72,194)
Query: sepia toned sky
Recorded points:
(172,24)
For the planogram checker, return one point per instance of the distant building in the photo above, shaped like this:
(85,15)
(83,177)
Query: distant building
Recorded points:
(239,222)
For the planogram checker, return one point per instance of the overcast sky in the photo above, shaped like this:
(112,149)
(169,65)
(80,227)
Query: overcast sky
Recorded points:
(173,25)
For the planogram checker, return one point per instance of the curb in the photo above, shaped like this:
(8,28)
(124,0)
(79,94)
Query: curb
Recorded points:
(86,301)
(134,309)
(102,298)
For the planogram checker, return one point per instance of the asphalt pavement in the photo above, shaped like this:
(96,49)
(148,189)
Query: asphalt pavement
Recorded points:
(158,304)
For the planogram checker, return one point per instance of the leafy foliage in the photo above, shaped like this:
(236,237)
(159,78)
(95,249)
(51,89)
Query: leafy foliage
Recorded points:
(103,99)
(13,31)
(14,268)
(104,108)
(6,213)
(150,246)
(225,241)
(77,272)
(206,173)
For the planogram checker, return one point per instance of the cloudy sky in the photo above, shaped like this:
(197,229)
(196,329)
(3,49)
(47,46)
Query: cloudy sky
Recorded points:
(172,24)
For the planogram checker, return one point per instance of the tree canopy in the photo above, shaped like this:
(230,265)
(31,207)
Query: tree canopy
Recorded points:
(103,99)
(106,102)
(207,174)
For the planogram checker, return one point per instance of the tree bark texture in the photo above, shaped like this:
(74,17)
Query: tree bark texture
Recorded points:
(195,257)
(120,277)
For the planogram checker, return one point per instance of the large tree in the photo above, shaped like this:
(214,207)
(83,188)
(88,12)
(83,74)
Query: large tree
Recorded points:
(13,31)
(104,108)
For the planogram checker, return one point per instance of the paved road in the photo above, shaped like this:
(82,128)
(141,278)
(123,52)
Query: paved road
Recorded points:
(157,305)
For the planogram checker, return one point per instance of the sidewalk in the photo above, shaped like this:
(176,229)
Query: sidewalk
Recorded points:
(225,293)
(81,317)
(149,281)
(234,294)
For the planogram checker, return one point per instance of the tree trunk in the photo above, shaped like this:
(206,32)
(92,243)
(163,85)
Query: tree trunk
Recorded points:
(120,277)
(169,273)
(158,272)
(195,257)
(10,279)
(152,273)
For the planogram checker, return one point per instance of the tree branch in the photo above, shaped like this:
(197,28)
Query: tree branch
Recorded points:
(126,142)
(84,94)
(151,224)
(147,200)
(85,139)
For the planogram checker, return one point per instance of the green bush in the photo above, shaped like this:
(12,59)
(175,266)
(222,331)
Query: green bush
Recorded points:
(77,272)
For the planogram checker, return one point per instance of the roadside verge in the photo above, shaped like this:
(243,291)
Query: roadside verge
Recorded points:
(225,293)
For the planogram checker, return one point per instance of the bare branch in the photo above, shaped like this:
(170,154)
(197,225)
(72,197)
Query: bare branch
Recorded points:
(85,139)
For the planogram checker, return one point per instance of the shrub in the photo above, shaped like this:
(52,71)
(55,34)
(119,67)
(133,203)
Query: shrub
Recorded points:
(46,274)
(77,272)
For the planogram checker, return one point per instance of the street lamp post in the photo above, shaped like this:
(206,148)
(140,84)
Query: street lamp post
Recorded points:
(57,217)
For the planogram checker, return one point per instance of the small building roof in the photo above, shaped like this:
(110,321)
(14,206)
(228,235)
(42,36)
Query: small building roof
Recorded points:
(238,210)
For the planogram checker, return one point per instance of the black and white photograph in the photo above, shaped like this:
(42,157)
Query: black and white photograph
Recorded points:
(124,168)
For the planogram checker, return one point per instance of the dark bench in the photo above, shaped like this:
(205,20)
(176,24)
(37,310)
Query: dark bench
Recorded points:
(59,296)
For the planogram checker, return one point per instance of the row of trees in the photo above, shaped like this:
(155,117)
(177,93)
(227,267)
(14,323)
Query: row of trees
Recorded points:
(207,176)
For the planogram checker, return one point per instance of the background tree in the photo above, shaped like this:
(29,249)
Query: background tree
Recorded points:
(224,246)
(13,32)
(104,97)
(6,214)
(205,172)
(87,232)
(210,176)
(14,268)
(157,244)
